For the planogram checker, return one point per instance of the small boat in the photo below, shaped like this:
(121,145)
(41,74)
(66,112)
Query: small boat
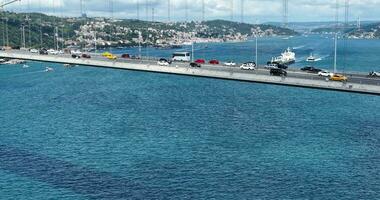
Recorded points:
(25,66)
(49,69)
(311,58)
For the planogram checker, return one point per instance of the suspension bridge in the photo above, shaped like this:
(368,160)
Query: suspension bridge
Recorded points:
(358,83)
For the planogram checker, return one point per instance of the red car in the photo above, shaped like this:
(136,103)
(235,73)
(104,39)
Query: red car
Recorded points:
(200,61)
(214,62)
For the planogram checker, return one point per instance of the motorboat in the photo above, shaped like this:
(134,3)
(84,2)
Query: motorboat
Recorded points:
(25,66)
(49,69)
(287,57)
(311,58)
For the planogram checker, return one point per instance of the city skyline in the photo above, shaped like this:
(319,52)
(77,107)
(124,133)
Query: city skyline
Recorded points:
(253,10)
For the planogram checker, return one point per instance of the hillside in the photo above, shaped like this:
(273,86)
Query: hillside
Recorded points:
(106,32)
(371,31)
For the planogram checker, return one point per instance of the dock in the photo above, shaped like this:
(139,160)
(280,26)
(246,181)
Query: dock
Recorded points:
(357,83)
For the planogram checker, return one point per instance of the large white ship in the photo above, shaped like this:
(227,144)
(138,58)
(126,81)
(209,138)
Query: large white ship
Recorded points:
(287,57)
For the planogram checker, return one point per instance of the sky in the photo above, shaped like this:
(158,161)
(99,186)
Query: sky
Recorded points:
(254,11)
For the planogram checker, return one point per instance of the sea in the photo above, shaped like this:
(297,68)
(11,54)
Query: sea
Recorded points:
(95,133)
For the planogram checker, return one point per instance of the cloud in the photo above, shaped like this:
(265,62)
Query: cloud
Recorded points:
(261,10)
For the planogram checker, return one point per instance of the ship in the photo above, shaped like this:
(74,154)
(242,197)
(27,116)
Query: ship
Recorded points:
(287,57)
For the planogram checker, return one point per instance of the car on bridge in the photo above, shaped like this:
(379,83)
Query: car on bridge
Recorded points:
(230,64)
(214,62)
(248,66)
(374,74)
(86,56)
(52,52)
(33,51)
(109,55)
(338,77)
(163,62)
(43,52)
(126,56)
(75,56)
(311,69)
(200,61)
(325,73)
(278,72)
(196,65)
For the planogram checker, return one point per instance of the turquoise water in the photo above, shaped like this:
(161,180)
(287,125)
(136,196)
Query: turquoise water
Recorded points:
(89,133)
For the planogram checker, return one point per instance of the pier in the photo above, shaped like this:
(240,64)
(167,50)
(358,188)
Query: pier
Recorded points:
(357,83)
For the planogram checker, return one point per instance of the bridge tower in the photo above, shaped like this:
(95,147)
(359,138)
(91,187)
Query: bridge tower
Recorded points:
(242,11)
(203,10)
(285,20)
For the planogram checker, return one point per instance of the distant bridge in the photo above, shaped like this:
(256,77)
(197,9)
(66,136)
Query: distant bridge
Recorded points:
(357,83)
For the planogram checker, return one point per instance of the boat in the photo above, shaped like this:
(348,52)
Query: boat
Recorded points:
(49,69)
(311,58)
(25,66)
(287,57)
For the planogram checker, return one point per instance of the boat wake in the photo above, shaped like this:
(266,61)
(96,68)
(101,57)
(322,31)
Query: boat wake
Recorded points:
(27,73)
(298,47)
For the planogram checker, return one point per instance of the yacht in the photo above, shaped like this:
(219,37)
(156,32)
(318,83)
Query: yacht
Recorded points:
(49,69)
(287,57)
(311,58)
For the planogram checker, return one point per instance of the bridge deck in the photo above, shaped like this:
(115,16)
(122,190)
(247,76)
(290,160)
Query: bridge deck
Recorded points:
(357,83)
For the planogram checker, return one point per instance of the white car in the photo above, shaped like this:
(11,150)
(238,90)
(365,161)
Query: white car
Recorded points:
(325,73)
(230,63)
(163,62)
(52,52)
(33,51)
(248,66)
(76,52)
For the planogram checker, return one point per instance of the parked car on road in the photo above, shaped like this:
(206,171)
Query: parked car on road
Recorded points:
(194,64)
(214,62)
(325,73)
(163,62)
(338,77)
(278,72)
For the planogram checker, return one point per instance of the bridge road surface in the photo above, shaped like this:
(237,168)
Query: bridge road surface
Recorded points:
(360,82)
